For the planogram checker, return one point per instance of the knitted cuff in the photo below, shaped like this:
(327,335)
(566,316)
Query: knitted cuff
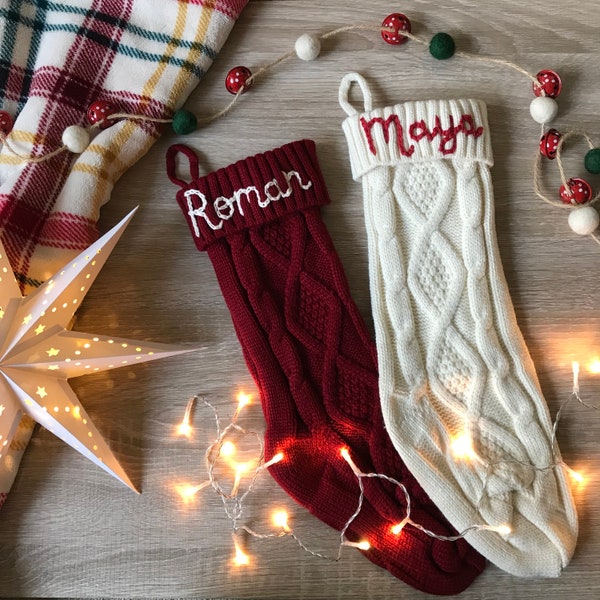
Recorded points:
(422,130)
(250,192)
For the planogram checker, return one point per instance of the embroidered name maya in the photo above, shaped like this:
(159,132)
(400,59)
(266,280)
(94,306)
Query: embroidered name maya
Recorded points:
(225,207)
(418,130)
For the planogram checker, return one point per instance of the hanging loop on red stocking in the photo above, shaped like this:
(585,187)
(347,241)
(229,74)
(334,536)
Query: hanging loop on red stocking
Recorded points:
(172,154)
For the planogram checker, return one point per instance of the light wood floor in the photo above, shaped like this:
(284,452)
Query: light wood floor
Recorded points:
(69,530)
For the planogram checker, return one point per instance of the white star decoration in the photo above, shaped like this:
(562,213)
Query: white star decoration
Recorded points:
(38,354)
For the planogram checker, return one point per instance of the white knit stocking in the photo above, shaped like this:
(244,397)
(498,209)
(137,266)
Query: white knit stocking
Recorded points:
(459,393)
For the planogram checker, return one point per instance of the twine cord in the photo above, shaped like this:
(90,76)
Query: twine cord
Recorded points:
(370,27)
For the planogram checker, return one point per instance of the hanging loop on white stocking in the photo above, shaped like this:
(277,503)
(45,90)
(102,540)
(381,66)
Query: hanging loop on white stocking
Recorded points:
(345,86)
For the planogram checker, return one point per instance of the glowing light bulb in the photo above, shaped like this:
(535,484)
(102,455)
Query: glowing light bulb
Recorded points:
(594,367)
(462,447)
(188,491)
(277,458)
(362,545)
(243,400)
(240,469)
(184,428)
(244,467)
(280,519)
(227,449)
(346,456)
(503,529)
(397,529)
(240,559)
(578,477)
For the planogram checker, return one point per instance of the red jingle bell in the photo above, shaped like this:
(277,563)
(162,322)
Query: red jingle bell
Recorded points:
(98,112)
(579,191)
(6,122)
(550,82)
(549,143)
(398,22)
(238,80)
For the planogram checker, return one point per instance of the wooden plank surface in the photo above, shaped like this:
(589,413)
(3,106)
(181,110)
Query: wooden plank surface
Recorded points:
(67,529)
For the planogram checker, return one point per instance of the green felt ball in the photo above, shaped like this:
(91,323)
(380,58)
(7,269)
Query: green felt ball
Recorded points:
(442,46)
(592,161)
(184,122)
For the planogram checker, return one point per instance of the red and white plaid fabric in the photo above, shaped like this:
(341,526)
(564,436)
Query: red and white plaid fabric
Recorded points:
(56,58)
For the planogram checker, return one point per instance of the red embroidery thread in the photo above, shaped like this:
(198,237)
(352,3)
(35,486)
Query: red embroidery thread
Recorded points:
(419,130)
(368,125)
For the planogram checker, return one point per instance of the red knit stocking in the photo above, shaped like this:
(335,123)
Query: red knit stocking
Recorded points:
(311,357)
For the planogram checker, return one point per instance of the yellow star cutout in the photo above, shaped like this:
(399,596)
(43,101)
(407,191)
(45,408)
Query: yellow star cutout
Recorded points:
(1,409)
(39,329)
(52,352)
(41,392)
(27,319)
(52,367)
(1,313)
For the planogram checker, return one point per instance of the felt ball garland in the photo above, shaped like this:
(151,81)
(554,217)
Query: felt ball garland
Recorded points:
(184,122)
(442,46)
(6,122)
(76,139)
(543,109)
(98,113)
(308,46)
(592,161)
(395,30)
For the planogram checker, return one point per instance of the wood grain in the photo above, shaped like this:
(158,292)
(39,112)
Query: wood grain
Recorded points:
(68,530)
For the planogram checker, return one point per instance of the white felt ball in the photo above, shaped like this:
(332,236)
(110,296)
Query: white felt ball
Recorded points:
(308,46)
(543,109)
(584,220)
(76,139)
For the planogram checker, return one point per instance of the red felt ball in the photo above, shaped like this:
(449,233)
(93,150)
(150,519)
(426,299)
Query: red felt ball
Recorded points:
(579,191)
(239,78)
(550,82)
(6,122)
(98,112)
(398,22)
(549,143)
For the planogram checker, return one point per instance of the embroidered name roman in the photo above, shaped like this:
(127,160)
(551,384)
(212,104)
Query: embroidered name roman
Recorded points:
(225,207)
(418,130)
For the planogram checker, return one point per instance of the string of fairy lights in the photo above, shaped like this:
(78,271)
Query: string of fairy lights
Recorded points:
(243,475)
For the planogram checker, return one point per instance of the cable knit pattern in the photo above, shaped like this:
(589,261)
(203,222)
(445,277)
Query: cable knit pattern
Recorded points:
(311,356)
(453,363)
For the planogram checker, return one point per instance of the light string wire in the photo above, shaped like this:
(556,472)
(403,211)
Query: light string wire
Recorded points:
(553,441)
(233,501)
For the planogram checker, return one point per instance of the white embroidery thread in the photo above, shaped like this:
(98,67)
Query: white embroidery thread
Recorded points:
(225,207)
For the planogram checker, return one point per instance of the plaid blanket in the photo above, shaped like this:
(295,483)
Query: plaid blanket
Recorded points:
(56,58)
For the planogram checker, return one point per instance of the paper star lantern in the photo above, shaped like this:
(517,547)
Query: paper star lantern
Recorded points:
(38,354)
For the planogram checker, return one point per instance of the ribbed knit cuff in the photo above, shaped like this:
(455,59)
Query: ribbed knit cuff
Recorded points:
(252,192)
(416,131)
